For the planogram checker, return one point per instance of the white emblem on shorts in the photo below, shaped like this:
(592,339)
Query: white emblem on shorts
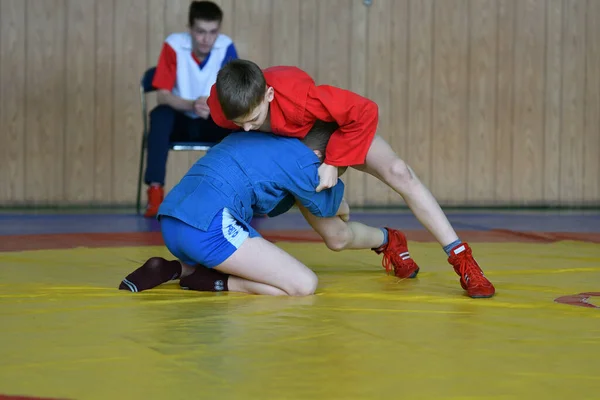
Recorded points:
(219,286)
(232,231)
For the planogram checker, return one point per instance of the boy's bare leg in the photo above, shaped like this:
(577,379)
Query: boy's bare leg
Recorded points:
(341,235)
(234,283)
(205,279)
(257,267)
(260,267)
(383,163)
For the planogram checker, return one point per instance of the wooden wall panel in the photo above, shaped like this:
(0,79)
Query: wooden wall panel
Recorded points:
(505,96)
(12,101)
(489,101)
(286,22)
(104,122)
(252,30)
(80,85)
(553,100)
(399,77)
(309,36)
(450,101)
(527,171)
(418,142)
(481,119)
(130,61)
(573,106)
(46,77)
(591,167)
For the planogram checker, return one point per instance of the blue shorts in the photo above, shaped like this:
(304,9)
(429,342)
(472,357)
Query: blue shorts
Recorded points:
(211,247)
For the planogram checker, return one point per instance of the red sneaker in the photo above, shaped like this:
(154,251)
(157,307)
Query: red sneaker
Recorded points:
(396,257)
(471,276)
(156,194)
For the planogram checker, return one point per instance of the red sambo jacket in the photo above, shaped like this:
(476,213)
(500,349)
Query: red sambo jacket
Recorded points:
(298,103)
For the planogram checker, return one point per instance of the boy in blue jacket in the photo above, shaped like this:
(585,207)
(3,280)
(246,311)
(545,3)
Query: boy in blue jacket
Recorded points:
(205,218)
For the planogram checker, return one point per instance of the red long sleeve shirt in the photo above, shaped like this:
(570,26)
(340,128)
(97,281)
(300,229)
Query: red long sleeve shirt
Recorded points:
(298,103)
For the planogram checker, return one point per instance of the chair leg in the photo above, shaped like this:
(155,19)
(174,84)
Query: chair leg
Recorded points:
(139,185)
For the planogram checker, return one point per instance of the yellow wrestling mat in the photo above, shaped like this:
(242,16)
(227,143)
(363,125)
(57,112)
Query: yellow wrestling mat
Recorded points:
(67,332)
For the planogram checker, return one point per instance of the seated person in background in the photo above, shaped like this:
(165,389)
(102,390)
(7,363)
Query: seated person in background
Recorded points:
(186,70)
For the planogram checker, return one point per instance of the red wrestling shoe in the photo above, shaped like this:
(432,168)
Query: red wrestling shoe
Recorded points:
(471,276)
(156,195)
(396,257)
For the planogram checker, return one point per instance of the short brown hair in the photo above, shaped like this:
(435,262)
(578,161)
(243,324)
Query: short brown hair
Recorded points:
(241,87)
(205,11)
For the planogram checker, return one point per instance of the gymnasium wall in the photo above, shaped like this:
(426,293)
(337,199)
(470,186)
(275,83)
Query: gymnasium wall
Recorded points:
(490,101)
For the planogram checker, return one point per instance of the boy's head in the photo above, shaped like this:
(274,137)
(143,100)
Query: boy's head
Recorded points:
(318,138)
(243,94)
(204,21)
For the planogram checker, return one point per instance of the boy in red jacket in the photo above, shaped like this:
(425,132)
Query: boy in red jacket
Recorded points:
(285,100)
